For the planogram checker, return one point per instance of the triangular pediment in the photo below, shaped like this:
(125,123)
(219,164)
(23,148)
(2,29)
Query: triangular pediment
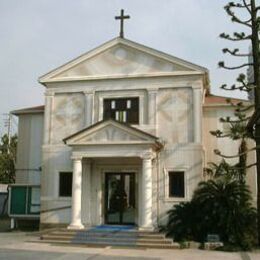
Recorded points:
(121,58)
(109,132)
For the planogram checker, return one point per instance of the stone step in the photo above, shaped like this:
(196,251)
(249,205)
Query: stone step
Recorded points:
(97,238)
(117,244)
(107,234)
(97,230)
(106,239)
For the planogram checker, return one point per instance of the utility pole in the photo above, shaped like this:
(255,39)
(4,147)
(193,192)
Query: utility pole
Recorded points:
(8,124)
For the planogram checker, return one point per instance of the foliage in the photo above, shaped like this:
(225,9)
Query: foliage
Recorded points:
(236,130)
(180,224)
(222,204)
(7,159)
(226,206)
(219,206)
(222,170)
(245,13)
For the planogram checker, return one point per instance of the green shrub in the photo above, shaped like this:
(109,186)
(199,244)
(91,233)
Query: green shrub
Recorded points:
(217,207)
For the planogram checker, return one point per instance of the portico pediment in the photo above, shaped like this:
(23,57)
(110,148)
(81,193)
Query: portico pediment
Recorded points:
(110,132)
(121,58)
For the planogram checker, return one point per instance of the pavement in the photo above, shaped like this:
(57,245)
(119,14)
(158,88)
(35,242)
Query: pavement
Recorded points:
(26,246)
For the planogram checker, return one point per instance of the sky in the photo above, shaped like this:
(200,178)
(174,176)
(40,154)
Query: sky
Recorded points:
(38,36)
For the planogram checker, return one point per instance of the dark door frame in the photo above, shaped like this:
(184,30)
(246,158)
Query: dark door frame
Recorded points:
(122,181)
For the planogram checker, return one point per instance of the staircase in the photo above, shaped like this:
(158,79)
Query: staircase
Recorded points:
(102,238)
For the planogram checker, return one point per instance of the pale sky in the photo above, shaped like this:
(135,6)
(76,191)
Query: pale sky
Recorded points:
(38,36)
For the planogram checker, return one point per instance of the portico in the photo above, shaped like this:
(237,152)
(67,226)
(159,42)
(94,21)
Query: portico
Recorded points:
(110,139)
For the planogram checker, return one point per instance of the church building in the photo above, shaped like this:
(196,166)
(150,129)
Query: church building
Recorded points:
(123,136)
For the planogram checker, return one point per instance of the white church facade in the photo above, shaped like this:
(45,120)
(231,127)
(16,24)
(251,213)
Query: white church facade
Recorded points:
(123,136)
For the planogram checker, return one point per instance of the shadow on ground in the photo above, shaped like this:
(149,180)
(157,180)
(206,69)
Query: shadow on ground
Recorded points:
(4,224)
(32,255)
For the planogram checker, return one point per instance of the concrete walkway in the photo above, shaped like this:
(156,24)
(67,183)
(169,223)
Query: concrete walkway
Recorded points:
(21,246)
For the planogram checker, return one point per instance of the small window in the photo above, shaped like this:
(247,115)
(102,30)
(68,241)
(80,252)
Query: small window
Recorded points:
(65,184)
(122,109)
(176,184)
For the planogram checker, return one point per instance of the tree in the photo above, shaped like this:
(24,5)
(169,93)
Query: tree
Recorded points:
(251,34)
(236,131)
(7,159)
(219,206)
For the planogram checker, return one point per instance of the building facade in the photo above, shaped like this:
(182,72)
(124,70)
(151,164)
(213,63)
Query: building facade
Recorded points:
(123,136)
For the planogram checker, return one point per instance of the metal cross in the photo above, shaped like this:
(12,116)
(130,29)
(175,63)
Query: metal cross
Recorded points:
(121,18)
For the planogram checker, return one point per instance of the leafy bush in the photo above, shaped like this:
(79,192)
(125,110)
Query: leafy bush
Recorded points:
(217,207)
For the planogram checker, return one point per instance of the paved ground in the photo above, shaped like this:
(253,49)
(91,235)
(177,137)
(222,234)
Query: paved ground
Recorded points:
(23,246)
(4,224)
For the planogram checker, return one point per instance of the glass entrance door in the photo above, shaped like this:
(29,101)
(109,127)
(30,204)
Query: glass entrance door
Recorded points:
(120,198)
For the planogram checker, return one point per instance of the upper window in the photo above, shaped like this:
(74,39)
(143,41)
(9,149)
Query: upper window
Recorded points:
(122,109)
(176,184)
(65,184)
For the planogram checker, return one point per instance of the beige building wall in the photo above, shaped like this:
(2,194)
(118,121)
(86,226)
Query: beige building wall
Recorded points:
(29,150)
(211,115)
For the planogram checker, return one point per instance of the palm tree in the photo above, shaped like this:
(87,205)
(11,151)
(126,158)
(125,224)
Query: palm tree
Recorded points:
(226,206)
(219,206)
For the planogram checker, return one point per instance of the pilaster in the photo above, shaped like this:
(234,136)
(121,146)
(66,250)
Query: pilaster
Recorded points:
(89,108)
(152,106)
(197,115)
(49,100)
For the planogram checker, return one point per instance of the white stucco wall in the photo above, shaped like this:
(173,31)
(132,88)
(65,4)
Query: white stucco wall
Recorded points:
(169,109)
(173,125)
(170,94)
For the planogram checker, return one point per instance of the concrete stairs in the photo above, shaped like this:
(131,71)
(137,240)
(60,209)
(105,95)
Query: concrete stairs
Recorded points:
(102,238)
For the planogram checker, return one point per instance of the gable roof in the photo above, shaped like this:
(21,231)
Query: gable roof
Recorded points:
(85,136)
(52,76)
(213,101)
(28,110)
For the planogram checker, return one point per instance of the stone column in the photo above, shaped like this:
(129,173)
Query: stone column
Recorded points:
(197,115)
(76,195)
(152,103)
(146,222)
(49,97)
(87,199)
(89,103)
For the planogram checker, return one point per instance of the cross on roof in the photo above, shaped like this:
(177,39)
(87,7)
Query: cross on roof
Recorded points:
(121,18)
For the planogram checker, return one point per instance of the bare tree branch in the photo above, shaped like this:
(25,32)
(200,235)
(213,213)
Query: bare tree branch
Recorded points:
(235,52)
(219,134)
(217,152)
(246,167)
(222,65)
(236,36)
(248,87)
(245,108)
(234,87)
(234,18)
(235,121)
(246,5)
(242,79)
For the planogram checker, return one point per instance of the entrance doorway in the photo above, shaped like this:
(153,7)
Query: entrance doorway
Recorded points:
(120,198)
